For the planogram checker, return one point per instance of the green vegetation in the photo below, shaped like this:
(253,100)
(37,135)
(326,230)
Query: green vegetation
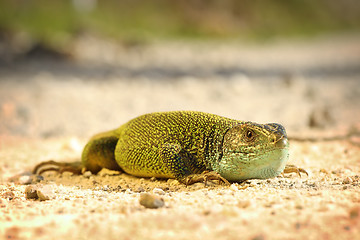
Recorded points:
(58,20)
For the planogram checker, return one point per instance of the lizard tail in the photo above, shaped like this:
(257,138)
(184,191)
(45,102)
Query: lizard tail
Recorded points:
(74,167)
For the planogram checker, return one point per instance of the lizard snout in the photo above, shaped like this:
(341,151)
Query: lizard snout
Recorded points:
(282,142)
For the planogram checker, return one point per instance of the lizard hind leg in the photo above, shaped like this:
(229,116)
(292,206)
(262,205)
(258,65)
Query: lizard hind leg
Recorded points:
(97,154)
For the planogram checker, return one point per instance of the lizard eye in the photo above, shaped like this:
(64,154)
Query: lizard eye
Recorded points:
(249,135)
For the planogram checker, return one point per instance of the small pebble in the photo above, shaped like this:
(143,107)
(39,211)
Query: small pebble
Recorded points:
(322,170)
(236,187)
(12,233)
(8,195)
(299,206)
(258,237)
(105,188)
(45,193)
(107,172)
(158,191)
(87,174)
(25,180)
(347,180)
(354,212)
(206,212)
(129,191)
(30,192)
(140,190)
(337,172)
(30,179)
(243,203)
(42,193)
(151,201)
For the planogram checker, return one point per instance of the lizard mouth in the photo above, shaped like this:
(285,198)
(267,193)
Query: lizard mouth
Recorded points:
(279,144)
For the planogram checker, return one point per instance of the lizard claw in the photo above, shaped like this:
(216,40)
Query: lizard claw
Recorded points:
(204,177)
(293,169)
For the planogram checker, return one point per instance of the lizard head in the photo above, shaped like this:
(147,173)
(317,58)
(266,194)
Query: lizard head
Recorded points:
(252,150)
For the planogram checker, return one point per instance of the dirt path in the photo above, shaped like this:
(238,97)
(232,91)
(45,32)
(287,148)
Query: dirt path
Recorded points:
(324,205)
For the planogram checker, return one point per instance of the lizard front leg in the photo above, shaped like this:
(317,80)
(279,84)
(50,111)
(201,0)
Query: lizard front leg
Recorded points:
(204,177)
(289,168)
(180,165)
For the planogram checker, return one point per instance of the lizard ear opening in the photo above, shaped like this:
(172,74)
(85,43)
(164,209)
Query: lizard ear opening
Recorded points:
(224,141)
(233,137)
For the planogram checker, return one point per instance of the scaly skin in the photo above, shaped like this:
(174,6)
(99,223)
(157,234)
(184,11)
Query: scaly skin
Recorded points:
(184,144)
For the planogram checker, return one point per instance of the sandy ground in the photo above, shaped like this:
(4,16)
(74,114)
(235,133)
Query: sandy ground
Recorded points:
(49,108)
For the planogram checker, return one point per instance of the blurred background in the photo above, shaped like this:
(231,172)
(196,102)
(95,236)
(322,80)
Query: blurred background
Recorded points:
(57,22)
(76,67)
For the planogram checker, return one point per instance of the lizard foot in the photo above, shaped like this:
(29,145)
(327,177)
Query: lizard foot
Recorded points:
(293,169)
(204,177)
(60,167)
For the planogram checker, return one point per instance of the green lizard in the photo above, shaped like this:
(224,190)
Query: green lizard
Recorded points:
(188,146)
